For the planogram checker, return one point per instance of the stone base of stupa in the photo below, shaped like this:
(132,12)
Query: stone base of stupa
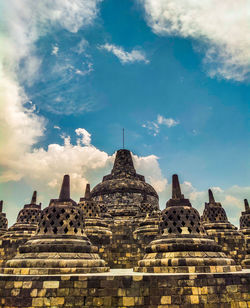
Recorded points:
(185,255)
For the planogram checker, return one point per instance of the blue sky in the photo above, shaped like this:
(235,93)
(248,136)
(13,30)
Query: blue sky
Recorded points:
(181,91)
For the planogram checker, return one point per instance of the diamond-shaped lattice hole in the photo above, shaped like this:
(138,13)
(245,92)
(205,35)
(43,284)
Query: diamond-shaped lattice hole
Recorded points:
(189,230)
(187,216)
(66,230)
(166,223)
(174,211)
(72,211)
(191,223)
(71,223)
(57,216)
(174,223)
(67,216)
(55,230)
(170,217)
(43,223)
(63,211)
(61,222)
(45,230)
(38,230)
(52,222)
(183,223)
(54,210)
(75,230)
(178,217)
(78,224)
(170,230)
(76,217)
(179,230)
(198,230)
(49,216)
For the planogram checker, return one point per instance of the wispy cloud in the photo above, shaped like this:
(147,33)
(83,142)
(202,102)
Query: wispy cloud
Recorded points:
(125,57)
(222,28)
(154,126)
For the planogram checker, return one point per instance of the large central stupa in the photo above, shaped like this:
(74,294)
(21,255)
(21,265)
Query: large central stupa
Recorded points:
(123,190)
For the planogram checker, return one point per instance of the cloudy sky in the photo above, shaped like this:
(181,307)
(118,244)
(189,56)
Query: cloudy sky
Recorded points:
(174,74)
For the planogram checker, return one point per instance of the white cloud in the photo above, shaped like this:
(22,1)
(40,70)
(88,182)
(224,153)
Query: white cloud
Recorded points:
(24,22)
(154,126)
(169,122)
(55,50)
(124,56)
(57,127)
(86,136)
(222,28)
(150,168)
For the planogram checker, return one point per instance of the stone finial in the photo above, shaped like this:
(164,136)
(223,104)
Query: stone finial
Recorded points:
(123,163)
(211,196)
(1,206)
(65,189)
(87,195)
(246,205)
(176,189)
(34,196)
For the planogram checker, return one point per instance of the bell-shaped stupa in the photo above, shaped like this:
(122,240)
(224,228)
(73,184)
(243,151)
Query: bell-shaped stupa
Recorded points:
(184,246)
(3,220)
(215,222)
(245,229)
(27,221)
(60,244)
(123,190)
(96,228)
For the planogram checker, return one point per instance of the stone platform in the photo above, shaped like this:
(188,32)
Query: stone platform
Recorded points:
(125,288)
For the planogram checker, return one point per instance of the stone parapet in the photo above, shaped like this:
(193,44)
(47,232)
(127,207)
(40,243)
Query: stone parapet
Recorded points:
(123,288)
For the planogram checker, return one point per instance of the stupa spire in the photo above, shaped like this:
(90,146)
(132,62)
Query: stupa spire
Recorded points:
(176,189)
(246,205)
(211,196)
(65,189)
(1,206)
(87,192)
(34,196)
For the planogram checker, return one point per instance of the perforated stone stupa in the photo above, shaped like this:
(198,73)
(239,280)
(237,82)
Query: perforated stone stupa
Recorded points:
(3,220)
(245,229)
(123,190)
(96,228)
(27,220)
(216,224)
(183,246)
(60,244)
(21,231)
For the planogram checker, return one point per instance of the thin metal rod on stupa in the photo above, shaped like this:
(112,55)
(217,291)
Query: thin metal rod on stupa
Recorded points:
(34,196)
(65,189)
(211,196)
(1,206)
(87,192)
(246,205)
(176,189)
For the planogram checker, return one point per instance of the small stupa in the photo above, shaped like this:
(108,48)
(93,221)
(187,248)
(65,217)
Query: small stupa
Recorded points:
(149,224)
(27,221)
(215,222)
(96,228)
(60,244)
(3,220)
(184,246)
(245,229)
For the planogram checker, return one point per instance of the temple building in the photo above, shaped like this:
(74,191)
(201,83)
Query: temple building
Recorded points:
(215,222)
(115,248)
